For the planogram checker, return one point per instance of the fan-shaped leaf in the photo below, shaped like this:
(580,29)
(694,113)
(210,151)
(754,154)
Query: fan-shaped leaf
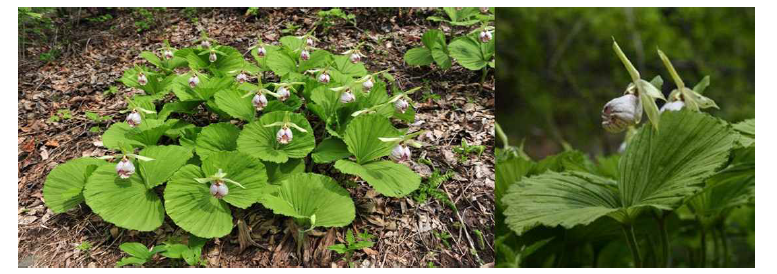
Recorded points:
(192,207)
(304,195)
(217,137)
(552,199)
(167,160)
(330,150)
(232,102)
(661,167)
(126,203)
(388,178)
(241,168)
(63,188)
(115,135)
(419,57)
(260,141)
(276,173)
(466,50)
(362,137)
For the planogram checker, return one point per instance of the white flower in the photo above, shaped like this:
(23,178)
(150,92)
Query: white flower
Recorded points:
(133,119)
(241,78)
(355,58)
(259,101)
(261,51)
(193,81)
(485,36)
(484,10)
(347,97)
(310,42)
(219,189)
(168,54)
(401,105)
(305,55)
(283,94)
(212,57)
(621,112)
(284,135)
(400,153)
(125,168)
(142,79)
(367,85)
(673,106)
(205,43)
(323,78)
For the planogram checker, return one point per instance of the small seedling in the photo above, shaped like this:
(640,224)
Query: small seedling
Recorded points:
(443,237)
(351,245)
(62,114)
(139,254)
(430,189)
(465,149)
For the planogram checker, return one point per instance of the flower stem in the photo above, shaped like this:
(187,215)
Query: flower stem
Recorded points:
(628,231)
(722,232)
(483,77)
(703,260)
(661,220)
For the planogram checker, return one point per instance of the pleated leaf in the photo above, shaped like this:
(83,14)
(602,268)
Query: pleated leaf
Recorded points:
(232,102)
(276,173)
(259,141)
(217,137)
(167,160)
(191,206)
(388,178)
(126,203)
(243,169)
(330,150)
(64,185)
(305,195)
(726,190)
(662,167)
(362,137)
(551,199)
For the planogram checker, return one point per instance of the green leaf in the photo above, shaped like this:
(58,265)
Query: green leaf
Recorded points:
(339,248)
(362,137)
(232,102)
(64,185)
(178,107)
(217,137)
(388,178)
(191,206)
(281,63)
(661,167)
(276,173)
(136,250)
(725,190)
(342,64)
(466,51)
(441,58)
(148,132)
(115,135)
(552,199)
(508,173)
(243,169)
(330,150)
(649,104)
(746,131)
(260,141)
(304,195)
(419,57)
(167,160)
(126,203)
(130,260)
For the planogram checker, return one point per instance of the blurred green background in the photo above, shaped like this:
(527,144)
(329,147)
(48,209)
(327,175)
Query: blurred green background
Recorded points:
(557,69)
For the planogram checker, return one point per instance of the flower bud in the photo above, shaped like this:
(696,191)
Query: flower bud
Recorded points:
(133,119)
(261,51)
(193,81)
(259,101)
(283,94)
(284,135)
(485,36)
(219,189)
(355,58)
(305,55)
(142,79)
(401,105)
(212,57)
(367,85)
(168,54)
(621,112)
(400,153)
(241,78)
(205,43)
(347,97)
(125,168)
(673,106)
(323,78)
(309,42)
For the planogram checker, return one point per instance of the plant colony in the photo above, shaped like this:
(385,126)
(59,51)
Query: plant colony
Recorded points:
(325,109)
(684,164)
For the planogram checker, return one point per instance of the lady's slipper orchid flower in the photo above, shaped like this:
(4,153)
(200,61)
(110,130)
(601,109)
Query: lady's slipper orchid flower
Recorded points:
(305,55)
(323,78)
(284,135)
(283,93)
(213,57)
(168,54)
(134,119)
(205,43)
(142,79)
(193,81)
(347,97)
(673,106)
(241,78)
(401,105)
(356,57)
(261,51)
(400,153)
(485,36)
(309,42)
(219,189)
(367,85)
(259,101)
(125,168)
(621,112)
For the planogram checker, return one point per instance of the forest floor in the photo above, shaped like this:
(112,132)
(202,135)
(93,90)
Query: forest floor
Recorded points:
(453,107)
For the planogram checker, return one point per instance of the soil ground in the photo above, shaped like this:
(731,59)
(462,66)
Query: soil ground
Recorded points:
(453,107)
